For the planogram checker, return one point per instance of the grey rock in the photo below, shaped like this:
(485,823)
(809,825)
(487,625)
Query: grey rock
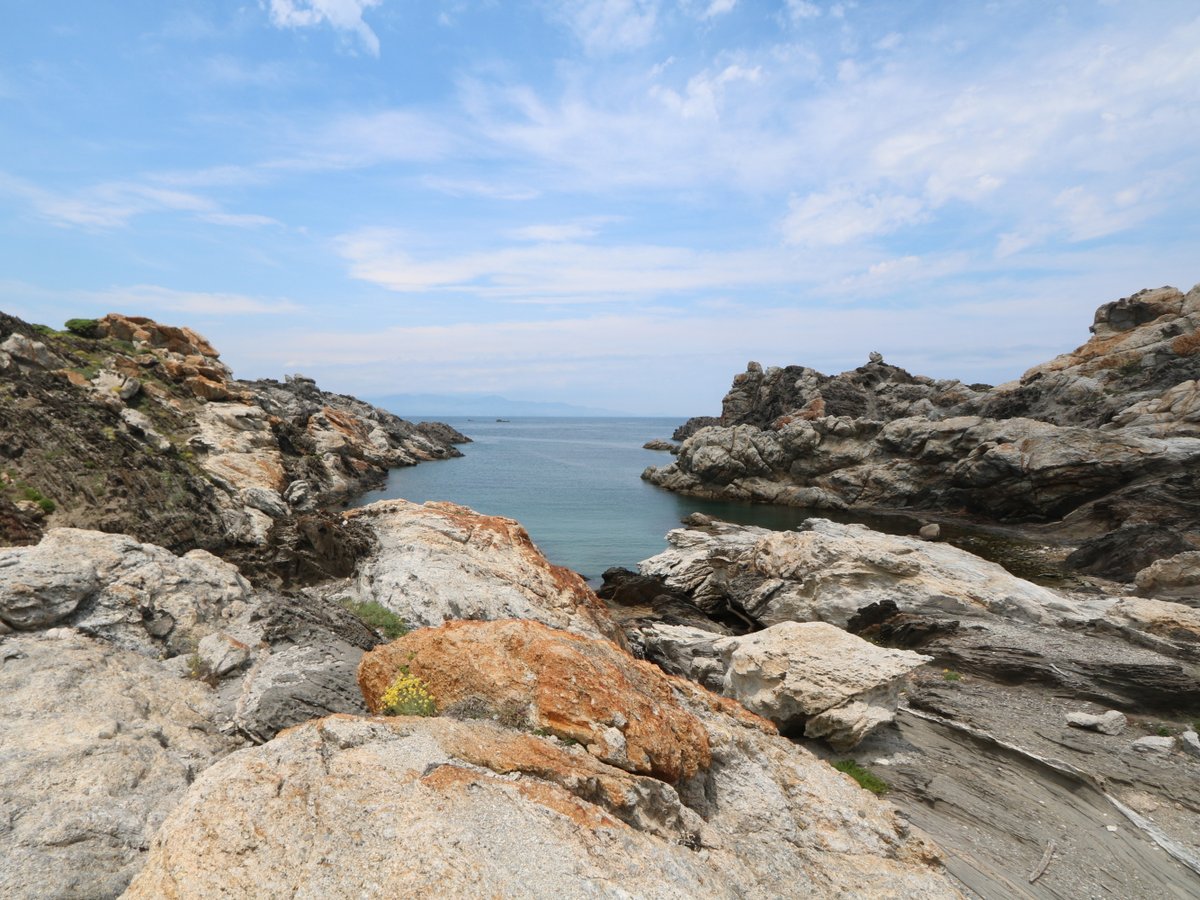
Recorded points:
(1111,722)
(1189,742)
(38,589)
(220,654)
(828,571)
(300,496)
(1154,744)
(265,500)
(30,351)
(930,532)
(97,746)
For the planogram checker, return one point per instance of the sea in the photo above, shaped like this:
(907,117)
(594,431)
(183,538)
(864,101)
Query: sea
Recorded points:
(575,484)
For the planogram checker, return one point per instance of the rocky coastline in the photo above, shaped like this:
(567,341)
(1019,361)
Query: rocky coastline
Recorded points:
(1097,449)
(190,683)
(252,692)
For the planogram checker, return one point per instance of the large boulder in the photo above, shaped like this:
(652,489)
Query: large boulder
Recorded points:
(136,595)
(817,678)
(425,807)
(97,746)
(1173,578)
(828,571)
(438,561)
(581,689)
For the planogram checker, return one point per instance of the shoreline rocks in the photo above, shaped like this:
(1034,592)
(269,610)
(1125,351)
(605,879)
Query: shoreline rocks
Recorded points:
(1096,439)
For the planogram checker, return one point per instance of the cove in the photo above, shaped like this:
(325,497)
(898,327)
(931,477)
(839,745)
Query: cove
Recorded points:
(575,484)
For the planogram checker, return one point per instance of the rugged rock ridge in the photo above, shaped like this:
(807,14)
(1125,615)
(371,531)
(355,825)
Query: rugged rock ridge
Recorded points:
(982,753)
(1095,440)
(131,426)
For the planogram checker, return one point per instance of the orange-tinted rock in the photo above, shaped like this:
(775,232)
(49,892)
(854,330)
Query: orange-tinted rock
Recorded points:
(623,710)
(207,388)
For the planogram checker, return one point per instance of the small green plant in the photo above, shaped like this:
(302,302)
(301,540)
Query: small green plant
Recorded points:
(1163,731)
(866,779)
(377,616)
(34,495)
(198,670)
(408,695)
(43,330)
(82,327)
(951,675)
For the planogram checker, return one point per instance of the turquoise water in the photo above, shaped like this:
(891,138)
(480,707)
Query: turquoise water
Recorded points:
(574,484)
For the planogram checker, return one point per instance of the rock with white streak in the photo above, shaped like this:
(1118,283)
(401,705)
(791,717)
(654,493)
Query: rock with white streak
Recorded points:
(828,571)
(1111,722)
(816,676)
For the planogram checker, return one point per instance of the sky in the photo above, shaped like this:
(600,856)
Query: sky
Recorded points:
(614,203)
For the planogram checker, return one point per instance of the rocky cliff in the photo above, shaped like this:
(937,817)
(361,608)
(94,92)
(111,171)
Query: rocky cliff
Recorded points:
(130,426)
(1103,439)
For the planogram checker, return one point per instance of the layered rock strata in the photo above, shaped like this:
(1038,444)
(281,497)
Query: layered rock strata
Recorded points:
(1096,439)
(131,426)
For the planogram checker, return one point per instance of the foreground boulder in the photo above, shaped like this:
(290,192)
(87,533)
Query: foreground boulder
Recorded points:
(436,562)
(435,807)
(816,677)
(619,708)
(97,745)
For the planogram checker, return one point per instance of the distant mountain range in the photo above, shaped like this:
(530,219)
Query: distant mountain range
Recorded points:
(411,406)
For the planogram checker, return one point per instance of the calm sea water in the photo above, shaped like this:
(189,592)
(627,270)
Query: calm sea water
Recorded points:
(574,484)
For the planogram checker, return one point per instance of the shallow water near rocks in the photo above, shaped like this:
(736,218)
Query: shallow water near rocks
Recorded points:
(575,484)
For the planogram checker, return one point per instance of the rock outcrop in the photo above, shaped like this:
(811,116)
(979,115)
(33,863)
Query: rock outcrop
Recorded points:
(828,571)
(97,746)
(435,562)
(131,426)
(620,709)
(418,806)
(1098,438)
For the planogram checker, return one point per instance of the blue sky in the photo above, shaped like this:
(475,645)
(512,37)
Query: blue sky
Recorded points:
(609,202)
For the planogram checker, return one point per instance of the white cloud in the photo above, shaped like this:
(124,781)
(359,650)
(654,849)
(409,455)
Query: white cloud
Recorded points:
(150,298)
(802,9)
(562,271)
(718,8)
(103,206)
(607,26)
(569,231)
(240,220)
(342,15)
(842,215)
